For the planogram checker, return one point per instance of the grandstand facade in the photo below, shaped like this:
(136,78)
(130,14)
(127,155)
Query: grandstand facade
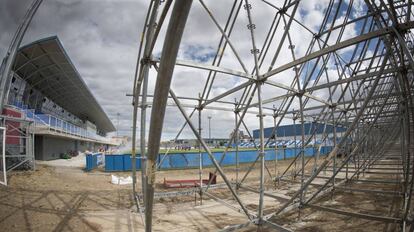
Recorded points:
(48,101)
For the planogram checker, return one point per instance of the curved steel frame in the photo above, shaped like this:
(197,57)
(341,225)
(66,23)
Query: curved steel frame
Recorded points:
(370,94)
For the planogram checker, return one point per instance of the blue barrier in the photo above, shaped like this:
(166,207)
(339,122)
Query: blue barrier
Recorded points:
(119,163)
(191,160)
(93,161)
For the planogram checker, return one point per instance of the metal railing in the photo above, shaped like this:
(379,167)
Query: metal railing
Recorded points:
(60,125)
(66,127)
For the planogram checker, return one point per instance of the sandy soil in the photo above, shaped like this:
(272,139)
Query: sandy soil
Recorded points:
(77,161)
(65,198)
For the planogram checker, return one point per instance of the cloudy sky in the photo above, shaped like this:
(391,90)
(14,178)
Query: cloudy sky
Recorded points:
(102,38)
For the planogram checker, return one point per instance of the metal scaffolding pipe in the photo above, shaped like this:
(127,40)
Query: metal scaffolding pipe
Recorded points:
(173,37)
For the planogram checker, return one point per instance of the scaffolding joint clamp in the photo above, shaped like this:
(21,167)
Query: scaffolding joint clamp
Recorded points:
(260,81)
(300,93)
(399,29)
(200,107)
(260,115)
(147,61)
(333,106)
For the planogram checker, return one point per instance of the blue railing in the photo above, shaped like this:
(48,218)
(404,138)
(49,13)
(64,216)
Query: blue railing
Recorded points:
(58,124)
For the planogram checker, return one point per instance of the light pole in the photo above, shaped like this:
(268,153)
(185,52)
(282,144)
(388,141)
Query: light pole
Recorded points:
(209,128)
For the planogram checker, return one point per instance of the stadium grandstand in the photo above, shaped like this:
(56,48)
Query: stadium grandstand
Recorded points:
(48,110)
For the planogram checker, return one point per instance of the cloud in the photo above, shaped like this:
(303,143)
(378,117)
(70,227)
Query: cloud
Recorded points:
(102,39)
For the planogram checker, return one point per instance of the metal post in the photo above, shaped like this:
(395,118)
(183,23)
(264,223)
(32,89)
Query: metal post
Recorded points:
(275,140)
(255,52)
(262,155)
(296,145)
(3,146)
(342,135)
(200,155)
(209,129)
(236,140)
(334,144)
(140,81)
(143,128)
(173,36)
(302,179)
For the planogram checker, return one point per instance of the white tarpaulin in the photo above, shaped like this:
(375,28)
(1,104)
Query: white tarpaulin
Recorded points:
(121,180)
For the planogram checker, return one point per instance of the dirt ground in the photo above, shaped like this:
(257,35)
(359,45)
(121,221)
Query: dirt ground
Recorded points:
(65,198)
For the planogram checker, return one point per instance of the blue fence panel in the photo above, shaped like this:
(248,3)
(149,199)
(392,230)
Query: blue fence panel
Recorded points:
(93,161)
(165,161)
(109,163)
(178,160)
(229,159)
(127,164)
(309,151)
(120,163)
(191,160)
(269,155)
(89,164)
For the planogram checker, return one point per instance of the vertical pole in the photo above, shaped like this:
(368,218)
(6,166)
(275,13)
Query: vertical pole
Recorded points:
(236,140)
(254,51)
(302,179)
(361,130)
(143,128)
(142,76)
(296,145)
(347,163)
(315,127)
(326,147)
(275,140)
(334,144)
(261,153)
(284,148)
(32,147)
(200,156)
(209,129)
(4,154)
(170,49)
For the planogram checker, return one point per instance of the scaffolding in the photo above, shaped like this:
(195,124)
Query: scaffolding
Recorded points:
(17,133)
(367,78)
